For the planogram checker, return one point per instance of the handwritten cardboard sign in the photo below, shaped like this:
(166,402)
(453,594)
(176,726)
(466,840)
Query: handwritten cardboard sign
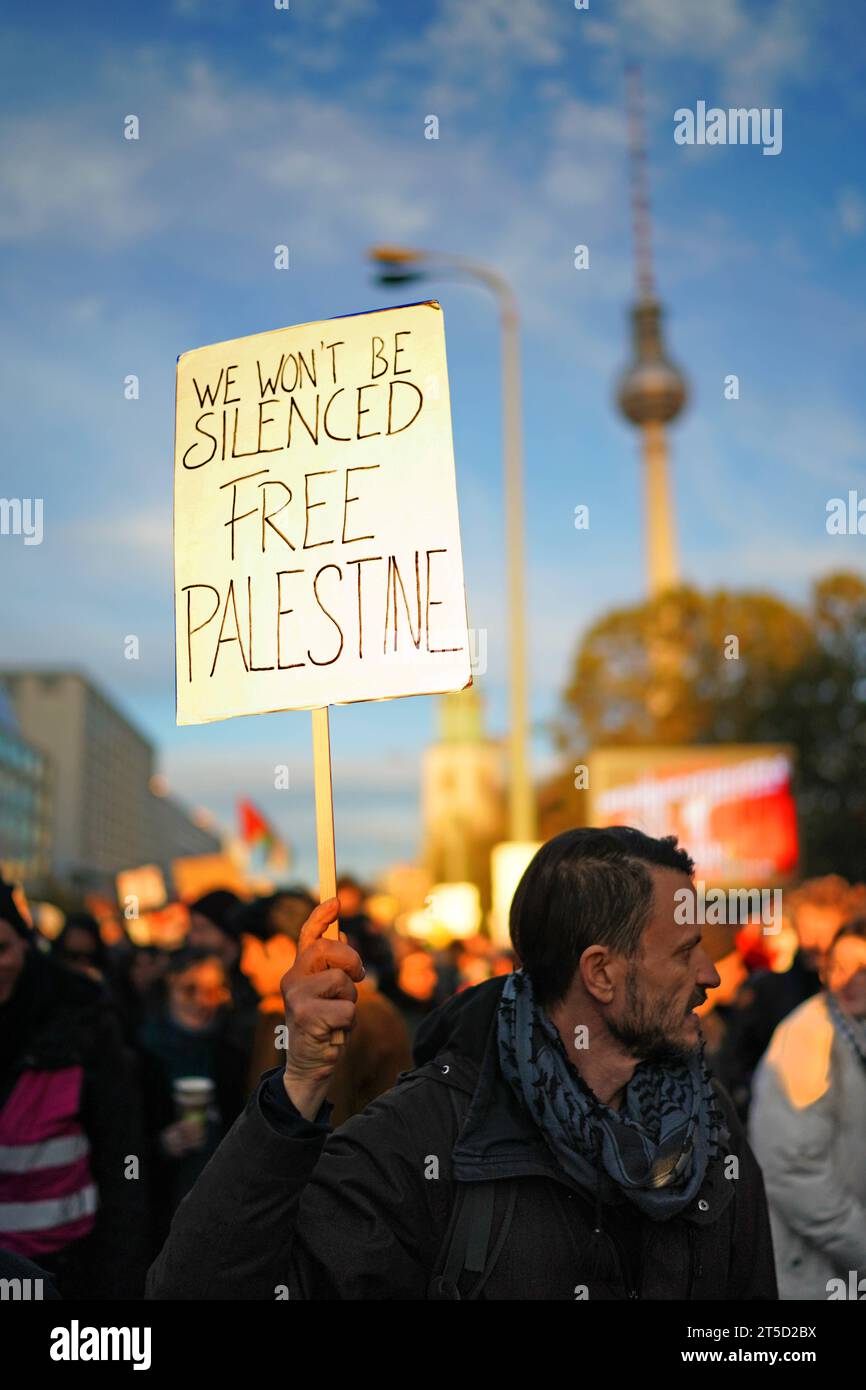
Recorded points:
(316,536)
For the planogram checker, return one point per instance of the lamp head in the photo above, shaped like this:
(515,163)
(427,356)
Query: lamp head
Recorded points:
(396,265)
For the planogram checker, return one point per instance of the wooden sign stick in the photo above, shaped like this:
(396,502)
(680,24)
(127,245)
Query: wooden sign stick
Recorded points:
(325,821)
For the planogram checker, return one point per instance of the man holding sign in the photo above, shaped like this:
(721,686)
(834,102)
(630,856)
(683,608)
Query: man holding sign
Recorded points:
(560,1137)
(314,496)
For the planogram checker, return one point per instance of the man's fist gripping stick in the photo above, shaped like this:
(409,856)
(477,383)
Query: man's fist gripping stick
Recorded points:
(319,996)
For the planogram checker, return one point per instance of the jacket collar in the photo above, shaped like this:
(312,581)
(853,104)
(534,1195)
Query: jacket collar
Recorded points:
(498,1137)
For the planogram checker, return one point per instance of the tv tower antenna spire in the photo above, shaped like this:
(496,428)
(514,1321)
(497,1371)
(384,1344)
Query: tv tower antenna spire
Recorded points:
(640,199)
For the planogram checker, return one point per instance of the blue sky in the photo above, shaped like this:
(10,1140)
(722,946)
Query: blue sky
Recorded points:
(306,127)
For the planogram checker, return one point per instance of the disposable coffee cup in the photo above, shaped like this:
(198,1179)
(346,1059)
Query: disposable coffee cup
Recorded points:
(193,1098)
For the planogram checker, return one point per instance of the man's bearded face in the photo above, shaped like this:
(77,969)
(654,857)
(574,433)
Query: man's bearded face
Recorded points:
(657,1026)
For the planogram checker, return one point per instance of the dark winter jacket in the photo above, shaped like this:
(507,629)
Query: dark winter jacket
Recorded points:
(284,1209)
(166,1052)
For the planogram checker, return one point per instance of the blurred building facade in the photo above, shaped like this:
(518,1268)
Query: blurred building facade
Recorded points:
(102,814)
(25,829)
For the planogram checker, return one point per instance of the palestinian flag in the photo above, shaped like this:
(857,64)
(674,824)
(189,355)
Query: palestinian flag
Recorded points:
(255,830)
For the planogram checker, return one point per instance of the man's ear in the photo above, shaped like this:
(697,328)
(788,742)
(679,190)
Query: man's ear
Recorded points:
(598,973)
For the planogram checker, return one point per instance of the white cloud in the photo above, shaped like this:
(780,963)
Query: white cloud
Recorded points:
(683,28)
(225,170)
(474,50)
(586,156)
(752,50)
(338,14)
(778,47)
(63,178)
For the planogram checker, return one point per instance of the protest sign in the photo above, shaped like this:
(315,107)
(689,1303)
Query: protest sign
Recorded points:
(145,884)
(316,537)
(317,546)
(197,874)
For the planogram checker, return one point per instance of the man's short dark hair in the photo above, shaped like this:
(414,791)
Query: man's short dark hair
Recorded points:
(586,887)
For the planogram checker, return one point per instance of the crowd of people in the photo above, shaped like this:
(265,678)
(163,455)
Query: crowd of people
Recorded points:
(123,1068)
(101,1133)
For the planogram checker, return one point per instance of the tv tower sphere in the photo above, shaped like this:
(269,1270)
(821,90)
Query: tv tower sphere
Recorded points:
(651,388)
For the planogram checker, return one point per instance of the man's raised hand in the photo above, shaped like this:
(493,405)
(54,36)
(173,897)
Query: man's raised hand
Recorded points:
(319,996)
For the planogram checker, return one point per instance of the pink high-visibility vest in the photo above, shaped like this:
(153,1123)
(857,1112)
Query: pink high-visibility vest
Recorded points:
(47,1194)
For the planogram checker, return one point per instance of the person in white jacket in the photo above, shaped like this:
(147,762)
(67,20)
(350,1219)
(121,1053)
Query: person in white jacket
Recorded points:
(808,1131)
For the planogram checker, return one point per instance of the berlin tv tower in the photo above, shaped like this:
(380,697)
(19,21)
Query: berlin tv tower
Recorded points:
(652,391)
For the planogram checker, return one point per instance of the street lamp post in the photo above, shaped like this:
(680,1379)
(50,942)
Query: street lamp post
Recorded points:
(399,265)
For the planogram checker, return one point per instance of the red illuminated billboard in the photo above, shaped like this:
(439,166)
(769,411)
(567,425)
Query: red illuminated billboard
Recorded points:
(730,805)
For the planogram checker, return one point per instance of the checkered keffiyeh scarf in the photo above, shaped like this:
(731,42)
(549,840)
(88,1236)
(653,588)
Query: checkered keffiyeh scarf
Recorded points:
(653,1152)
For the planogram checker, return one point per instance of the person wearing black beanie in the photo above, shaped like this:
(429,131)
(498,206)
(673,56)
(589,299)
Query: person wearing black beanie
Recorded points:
(216,925)
(213,925)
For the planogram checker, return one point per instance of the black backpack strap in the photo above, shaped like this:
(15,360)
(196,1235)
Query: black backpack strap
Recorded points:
(467,1242)
(471,1237)
(489,1263)
(466,1247)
